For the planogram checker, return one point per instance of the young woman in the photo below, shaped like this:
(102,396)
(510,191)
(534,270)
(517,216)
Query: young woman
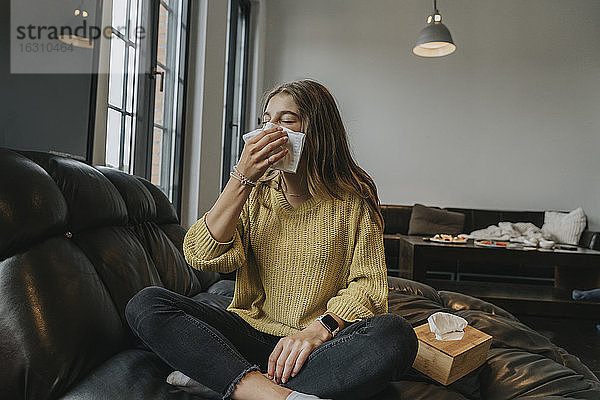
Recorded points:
(309,312)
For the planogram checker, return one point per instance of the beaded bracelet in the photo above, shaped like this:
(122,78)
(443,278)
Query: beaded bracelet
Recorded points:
(240,177)
(233,175)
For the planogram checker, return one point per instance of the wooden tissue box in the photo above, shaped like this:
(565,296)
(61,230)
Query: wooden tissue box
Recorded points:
(448,361)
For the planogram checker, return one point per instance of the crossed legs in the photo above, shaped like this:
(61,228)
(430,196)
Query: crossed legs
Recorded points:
(223,352)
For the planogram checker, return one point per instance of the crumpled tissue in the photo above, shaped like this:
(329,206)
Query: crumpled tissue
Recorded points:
(447,326)
(295,144)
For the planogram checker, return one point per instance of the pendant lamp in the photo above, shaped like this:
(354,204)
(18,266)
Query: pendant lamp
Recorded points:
(79,34)
(434,40)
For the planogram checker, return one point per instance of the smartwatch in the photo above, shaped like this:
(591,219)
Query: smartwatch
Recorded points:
(329,323)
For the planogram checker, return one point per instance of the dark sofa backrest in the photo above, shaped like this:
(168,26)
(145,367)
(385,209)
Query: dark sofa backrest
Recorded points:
(480,219)
(76,243)
(397,219)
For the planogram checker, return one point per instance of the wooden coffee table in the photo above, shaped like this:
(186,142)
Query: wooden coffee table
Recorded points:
(571,268)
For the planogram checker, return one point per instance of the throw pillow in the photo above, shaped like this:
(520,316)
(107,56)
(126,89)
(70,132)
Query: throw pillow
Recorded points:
(564,227)
(431,220)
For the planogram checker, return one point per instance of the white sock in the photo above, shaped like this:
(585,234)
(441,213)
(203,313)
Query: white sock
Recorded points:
(178,378)
(301,396)
(185,383)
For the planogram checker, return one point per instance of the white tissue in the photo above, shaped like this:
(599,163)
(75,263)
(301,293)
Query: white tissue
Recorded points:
(447,326)
(546,244)
(295,144)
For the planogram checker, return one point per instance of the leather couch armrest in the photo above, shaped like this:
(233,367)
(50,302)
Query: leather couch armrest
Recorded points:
(458,301)
(414,288)
(595,241)
(590,240)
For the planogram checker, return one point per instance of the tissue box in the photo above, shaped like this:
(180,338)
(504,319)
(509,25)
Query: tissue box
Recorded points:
(447,361)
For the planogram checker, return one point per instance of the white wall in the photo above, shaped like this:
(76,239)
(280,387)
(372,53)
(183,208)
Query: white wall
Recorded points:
(509,121)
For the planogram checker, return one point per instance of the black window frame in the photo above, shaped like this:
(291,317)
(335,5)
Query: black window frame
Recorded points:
(122,108)
(235,7)
(145,120)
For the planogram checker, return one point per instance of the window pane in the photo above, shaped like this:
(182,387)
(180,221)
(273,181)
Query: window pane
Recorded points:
(127,144)
(117,70)
(131,77)
(163,19)
(133,24)
(157,141)
(113,138)
(159,99)
(119,18)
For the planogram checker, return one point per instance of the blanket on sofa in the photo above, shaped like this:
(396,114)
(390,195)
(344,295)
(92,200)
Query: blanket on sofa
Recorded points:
(522,232)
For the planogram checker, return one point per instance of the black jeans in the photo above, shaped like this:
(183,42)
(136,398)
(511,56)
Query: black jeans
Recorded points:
(217,347)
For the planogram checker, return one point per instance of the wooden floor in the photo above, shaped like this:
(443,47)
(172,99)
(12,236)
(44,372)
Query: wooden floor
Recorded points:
(579,337)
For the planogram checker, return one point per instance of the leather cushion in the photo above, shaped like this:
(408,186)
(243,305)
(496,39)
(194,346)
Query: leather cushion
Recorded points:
(458,301)
(31,205)
(138,199)
(168,261)
(396,218)
(165,213)
(430,220)
(57,320)
(131,374)
(92,200)
(121,261)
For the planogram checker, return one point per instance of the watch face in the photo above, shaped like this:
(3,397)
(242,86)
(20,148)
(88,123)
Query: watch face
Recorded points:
(330,322)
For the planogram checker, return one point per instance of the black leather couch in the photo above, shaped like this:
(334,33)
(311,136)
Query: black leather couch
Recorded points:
(76,242)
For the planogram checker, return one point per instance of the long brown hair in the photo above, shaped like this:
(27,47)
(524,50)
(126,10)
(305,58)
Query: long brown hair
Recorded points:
(331,170)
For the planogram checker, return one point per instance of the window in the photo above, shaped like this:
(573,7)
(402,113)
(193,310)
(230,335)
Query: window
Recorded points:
(167,127)
(146,96)
(122,81)
(236,85)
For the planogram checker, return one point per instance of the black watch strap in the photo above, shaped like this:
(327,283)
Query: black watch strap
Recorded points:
(329,323)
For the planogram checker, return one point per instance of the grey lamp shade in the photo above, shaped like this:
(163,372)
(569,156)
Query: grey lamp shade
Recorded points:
(434,41)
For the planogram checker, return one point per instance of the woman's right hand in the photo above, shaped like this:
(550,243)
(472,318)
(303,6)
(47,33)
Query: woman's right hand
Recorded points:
(255,159)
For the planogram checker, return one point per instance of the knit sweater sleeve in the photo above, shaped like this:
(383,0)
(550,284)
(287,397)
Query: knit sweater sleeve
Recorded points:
(366,292)
(202,251)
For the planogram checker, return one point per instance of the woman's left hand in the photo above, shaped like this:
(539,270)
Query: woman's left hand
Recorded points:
(291,352)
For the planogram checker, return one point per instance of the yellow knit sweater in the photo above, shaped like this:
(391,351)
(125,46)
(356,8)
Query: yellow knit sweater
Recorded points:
(294,264)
